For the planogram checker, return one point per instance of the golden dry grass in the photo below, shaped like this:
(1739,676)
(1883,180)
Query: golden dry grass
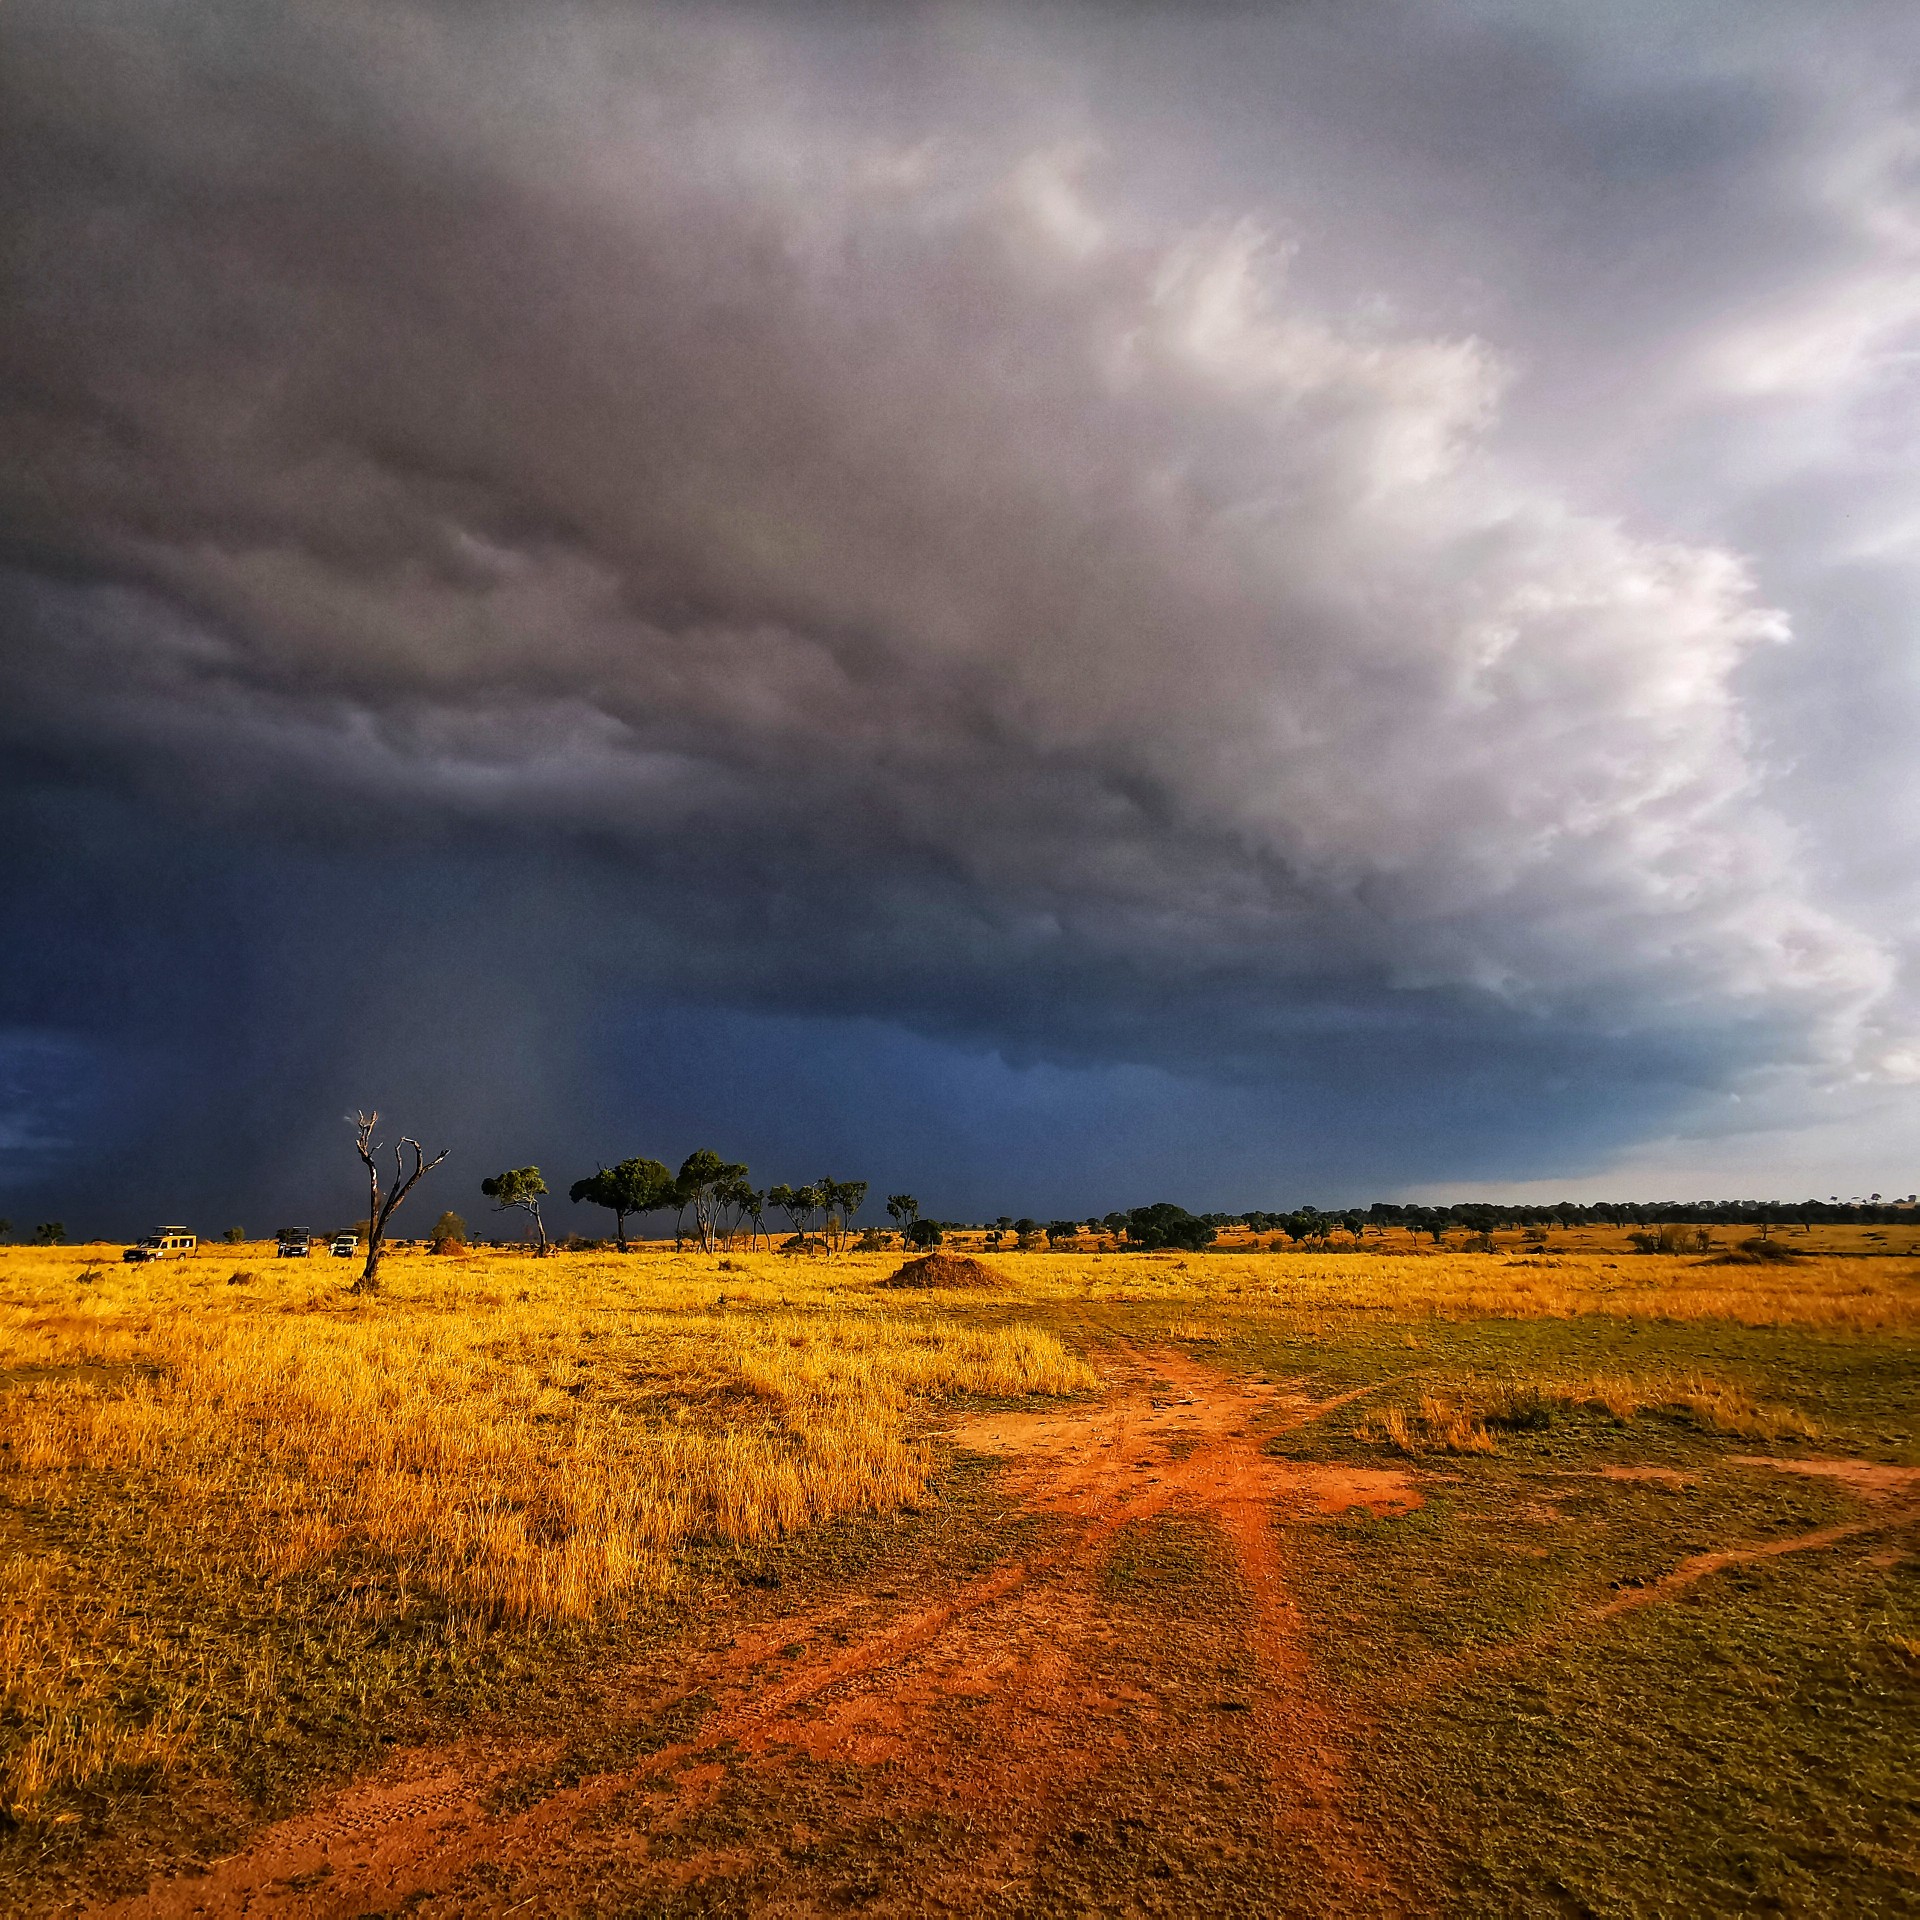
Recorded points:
(1838,1294)
(529,1452)
(1468,1418)
(527,1440)
(60,1686)
(1437,1425)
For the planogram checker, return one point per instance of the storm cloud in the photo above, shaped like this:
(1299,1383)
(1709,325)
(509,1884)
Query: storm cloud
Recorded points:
(1270,553)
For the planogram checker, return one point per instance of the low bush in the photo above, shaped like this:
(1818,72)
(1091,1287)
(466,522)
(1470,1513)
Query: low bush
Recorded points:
(1671,1237)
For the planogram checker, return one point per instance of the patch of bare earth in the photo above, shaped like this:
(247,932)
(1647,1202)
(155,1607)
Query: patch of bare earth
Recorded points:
(988,1711)
(1871,1478)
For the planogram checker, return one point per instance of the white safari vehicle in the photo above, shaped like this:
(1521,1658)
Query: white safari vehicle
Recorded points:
(161,1242)
(346,1245)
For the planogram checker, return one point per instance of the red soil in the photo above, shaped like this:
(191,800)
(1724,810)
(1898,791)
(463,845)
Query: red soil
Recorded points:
(1870,1478)
(1173,1435)
(945,1270)
(871,1688)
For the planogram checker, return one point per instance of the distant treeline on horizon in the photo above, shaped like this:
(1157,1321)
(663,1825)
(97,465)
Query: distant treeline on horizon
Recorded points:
(1165,1225)
(1160,1224)
(1484,1216)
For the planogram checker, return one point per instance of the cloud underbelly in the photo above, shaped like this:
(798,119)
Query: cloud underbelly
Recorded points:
(925,578)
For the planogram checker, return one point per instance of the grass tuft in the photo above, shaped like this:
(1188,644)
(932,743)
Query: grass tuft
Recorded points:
(1468,1420)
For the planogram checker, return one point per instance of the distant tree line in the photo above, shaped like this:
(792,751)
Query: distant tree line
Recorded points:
(1480,1216)
(1163,1225)
(711,1200)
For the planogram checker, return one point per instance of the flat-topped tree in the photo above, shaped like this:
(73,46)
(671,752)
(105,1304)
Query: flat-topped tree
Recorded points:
(843,1198)
(757,1212)
(799,1204)
(740,1199)
(634,1186)
(905,1210)
(522,1189)
(380,1206)
(703,1181)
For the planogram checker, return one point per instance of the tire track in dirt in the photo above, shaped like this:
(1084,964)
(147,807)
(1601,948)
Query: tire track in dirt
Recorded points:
(1230,1478)
(1188,1441)
(1690,1572)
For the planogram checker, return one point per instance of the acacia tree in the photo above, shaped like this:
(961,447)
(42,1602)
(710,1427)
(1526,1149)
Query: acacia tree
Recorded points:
(634,1186)
(780,1196)
(1164,1225)
(380,1207)
(701,1183)
(842,1199)
(748,1205)
(905,1210)
(739,1198)
(853,1194)
(799,1204)
(519,1188)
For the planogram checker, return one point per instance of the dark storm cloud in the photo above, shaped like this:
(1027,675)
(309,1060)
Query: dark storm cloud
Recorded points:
(807,502)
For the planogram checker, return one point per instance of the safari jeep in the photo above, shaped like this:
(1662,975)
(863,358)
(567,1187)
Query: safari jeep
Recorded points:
(161,1242)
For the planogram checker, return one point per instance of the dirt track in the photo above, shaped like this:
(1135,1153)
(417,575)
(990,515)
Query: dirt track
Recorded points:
(993,1706)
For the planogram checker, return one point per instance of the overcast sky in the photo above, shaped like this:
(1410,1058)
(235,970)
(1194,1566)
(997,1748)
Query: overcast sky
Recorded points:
(1052,606)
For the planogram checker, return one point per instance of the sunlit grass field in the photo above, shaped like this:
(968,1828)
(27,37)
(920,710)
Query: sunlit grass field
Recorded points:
(515,1439)
(245,1514)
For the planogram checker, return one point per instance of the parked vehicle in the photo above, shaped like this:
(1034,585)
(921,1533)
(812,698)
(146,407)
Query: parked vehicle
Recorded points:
(345,1245)
(161,1242)
(296,1243)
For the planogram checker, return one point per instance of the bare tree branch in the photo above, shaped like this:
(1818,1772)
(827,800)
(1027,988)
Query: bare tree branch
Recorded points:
(380,1209)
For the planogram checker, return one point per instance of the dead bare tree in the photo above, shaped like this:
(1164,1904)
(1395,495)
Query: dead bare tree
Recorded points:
(379,1209)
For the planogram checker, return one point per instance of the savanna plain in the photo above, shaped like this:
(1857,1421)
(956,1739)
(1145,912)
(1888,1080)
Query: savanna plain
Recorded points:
(1553,1578)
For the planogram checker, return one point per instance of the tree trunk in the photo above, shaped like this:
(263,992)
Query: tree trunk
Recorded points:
(369,1281)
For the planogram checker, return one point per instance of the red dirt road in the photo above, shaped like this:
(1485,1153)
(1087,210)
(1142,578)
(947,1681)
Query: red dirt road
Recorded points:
(996,1707)
(1171,1435)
